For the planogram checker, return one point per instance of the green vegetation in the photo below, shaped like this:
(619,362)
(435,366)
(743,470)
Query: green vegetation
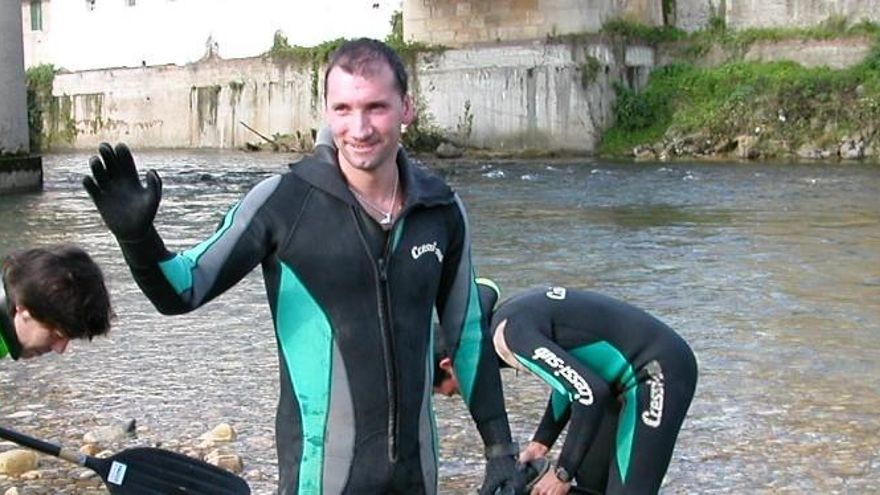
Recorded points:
(589,71)
(634,31)
(780,106)
(44,109)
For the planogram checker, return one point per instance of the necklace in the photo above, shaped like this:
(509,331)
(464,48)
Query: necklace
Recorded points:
(386,215)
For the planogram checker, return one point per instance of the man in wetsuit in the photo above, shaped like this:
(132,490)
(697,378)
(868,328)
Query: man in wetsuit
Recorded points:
(357,247)
(622,380)
(48,296)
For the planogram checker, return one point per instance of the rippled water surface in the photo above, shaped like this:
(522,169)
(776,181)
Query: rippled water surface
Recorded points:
(771,272)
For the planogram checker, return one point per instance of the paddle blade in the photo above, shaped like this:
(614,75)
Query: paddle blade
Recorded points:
(147,470)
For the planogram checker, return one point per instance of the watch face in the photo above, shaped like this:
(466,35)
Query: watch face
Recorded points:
(562,474)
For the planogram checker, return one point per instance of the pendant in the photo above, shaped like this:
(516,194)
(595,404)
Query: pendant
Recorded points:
(386,220)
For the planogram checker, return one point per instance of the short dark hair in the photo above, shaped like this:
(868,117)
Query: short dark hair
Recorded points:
(362,57)
(62,287)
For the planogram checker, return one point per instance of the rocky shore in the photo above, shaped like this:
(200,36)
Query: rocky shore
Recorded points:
(24,472)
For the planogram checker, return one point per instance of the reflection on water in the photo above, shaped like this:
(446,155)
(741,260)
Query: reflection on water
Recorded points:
(770,272)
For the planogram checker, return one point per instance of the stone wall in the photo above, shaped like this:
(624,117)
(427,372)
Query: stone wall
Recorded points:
(741,14)
(460,23)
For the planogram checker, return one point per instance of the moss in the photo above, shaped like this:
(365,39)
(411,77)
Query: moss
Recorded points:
(589,71)
(631,31)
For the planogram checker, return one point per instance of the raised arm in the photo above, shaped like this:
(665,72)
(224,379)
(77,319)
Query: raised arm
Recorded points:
(174,283)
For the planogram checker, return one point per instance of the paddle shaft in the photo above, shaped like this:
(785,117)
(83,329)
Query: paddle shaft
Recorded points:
(42,446)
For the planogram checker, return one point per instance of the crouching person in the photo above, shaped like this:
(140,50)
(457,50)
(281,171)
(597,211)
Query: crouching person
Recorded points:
(621,380)
(49,296)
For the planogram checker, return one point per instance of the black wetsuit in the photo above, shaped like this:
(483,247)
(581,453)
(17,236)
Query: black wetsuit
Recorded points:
(623,378)
(352,307)
(9,345)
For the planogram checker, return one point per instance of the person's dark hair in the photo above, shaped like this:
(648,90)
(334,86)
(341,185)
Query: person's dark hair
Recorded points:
(62,287)
(364,57)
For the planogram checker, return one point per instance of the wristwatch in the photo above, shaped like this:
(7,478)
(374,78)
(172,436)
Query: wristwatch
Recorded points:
(562,474)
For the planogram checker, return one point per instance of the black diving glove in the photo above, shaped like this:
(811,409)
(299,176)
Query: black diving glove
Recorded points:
(127,207)
(503,476)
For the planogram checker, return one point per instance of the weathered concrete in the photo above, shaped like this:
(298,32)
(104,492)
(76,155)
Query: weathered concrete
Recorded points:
(13,92)
(21,174)
(517,96)
(550,96)
(693,15)
(528,95)
(198,105)
(461,23)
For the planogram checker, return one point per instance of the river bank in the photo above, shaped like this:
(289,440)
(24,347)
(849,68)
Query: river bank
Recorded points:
(736,101)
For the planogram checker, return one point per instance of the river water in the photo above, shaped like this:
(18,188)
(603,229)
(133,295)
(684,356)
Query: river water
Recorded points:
(771,273)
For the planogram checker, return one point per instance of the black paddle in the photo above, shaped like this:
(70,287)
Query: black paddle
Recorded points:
(145,470)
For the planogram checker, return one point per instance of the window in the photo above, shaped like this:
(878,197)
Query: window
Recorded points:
(36,15)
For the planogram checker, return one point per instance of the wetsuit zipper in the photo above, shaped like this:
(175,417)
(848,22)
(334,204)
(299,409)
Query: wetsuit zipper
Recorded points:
(387,334)
(391,365)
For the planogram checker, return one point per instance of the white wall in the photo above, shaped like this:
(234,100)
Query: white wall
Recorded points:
(156,32)
(518,96)
(13,92)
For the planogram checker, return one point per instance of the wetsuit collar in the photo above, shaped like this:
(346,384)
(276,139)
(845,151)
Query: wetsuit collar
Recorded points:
(422,188)
(8,339)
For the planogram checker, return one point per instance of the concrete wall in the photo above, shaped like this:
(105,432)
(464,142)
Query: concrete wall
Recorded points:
(517,96)
(459,23)
(196,105)
(13,92)
(528,95)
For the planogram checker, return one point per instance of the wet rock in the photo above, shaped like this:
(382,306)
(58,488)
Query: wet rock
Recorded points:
(89,449)
(644,152)
(109,434)
(812,152)
(223,432)
(448,150)
(21,415)
(227,461)
(746,147)
(32,475)
(724,146)
(17,461)
(852,148)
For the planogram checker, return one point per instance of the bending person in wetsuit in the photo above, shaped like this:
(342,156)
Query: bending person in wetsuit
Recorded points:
(49,296)
(622,380)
